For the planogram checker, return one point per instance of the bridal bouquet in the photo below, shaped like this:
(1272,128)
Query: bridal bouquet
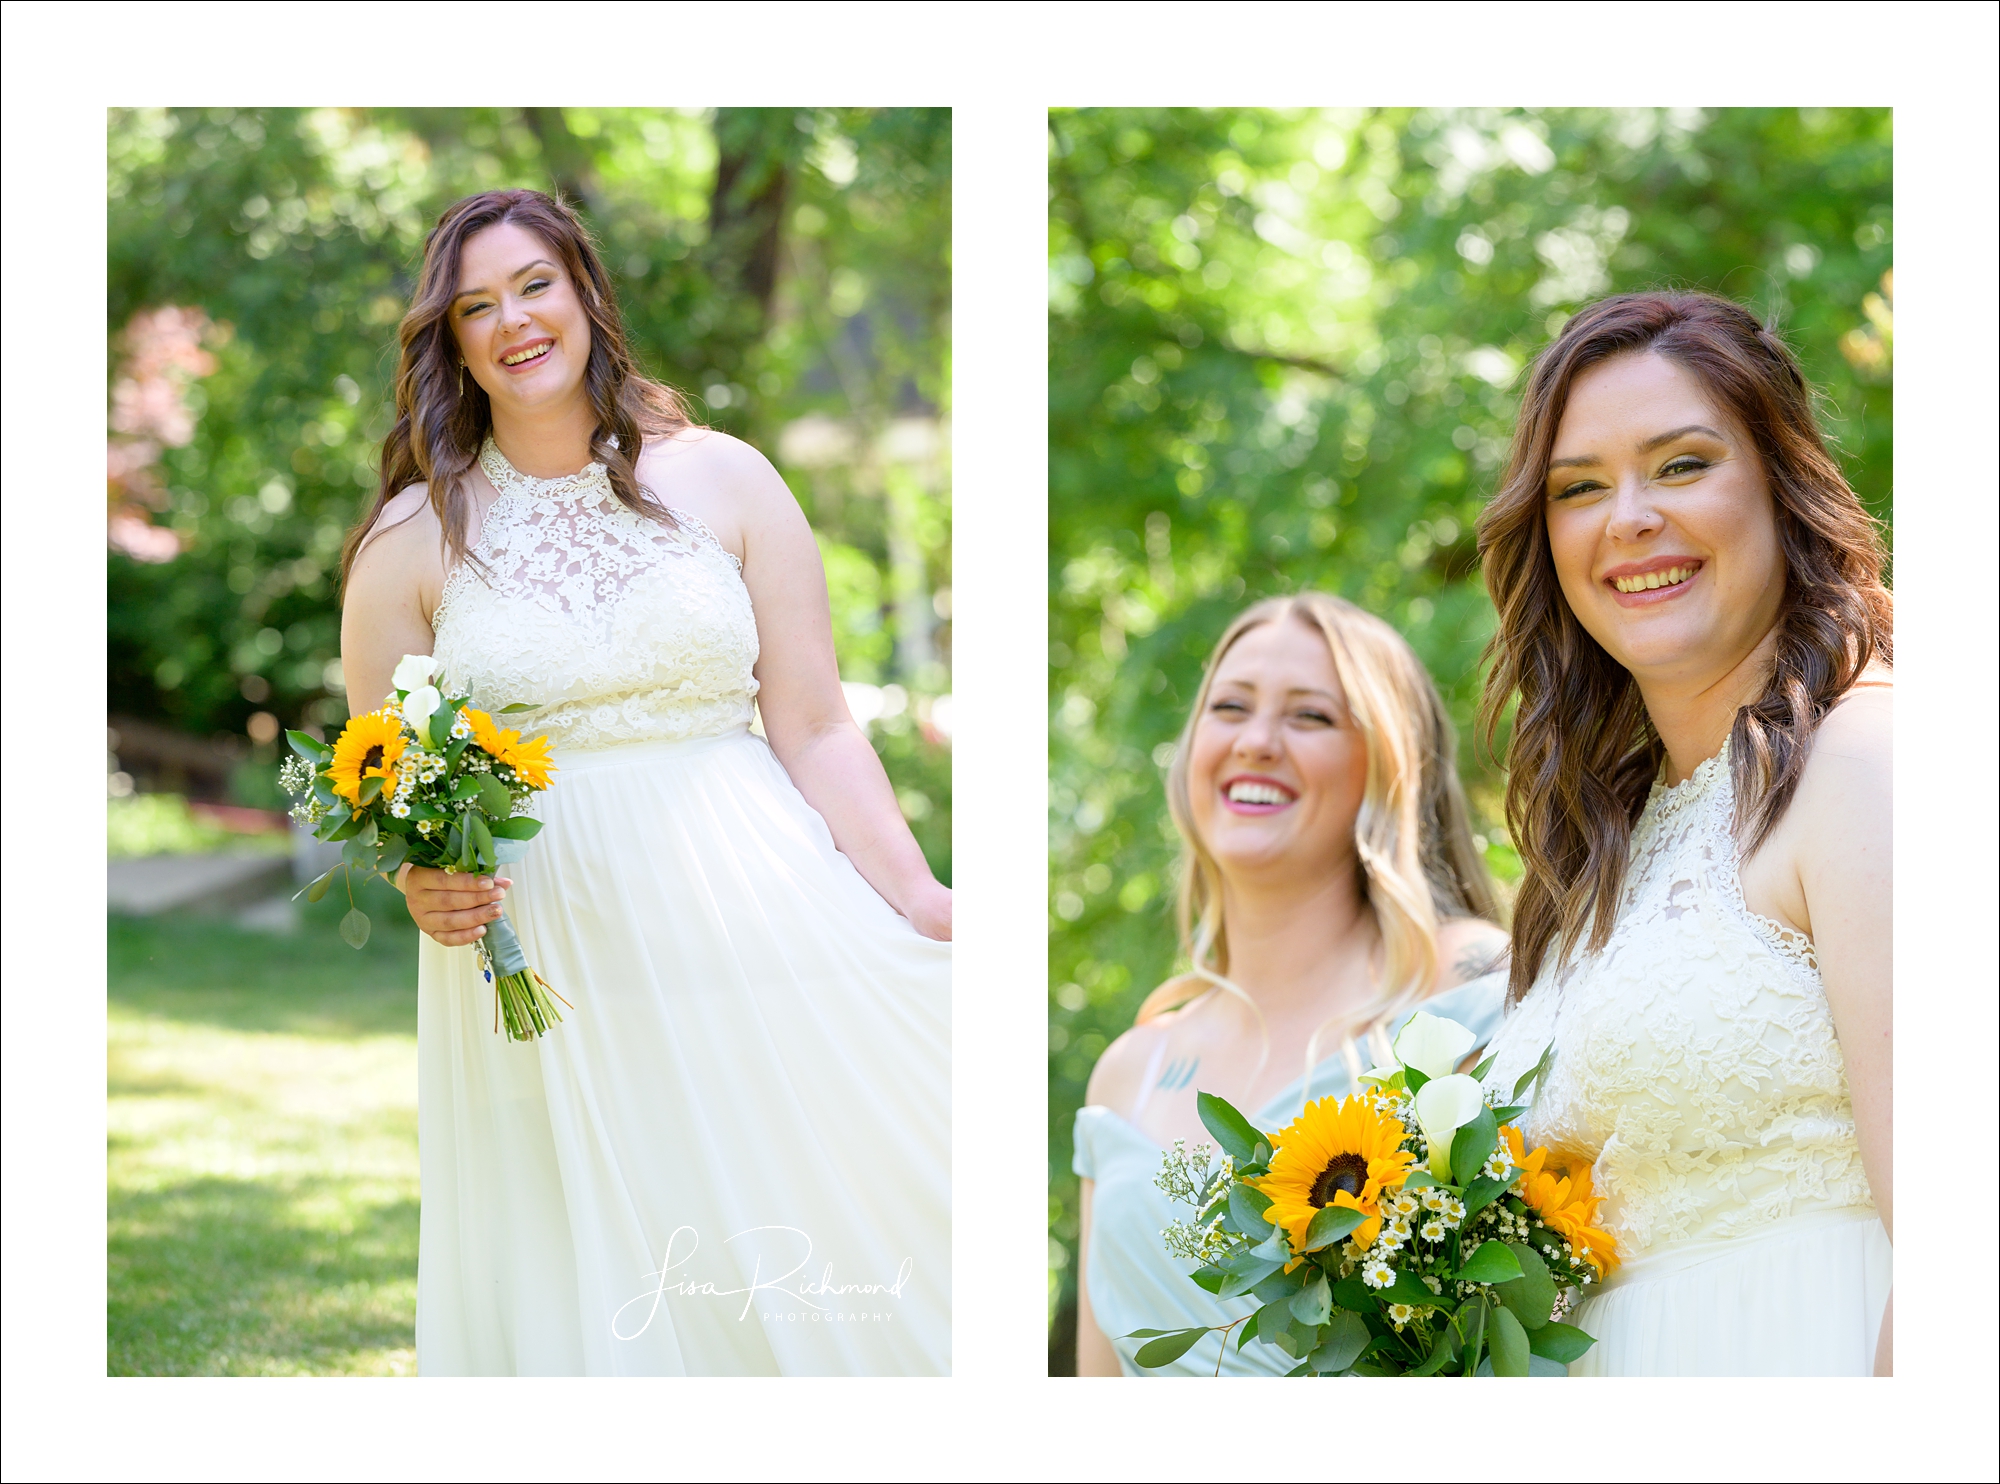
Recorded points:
(1402,1231)
(429,780)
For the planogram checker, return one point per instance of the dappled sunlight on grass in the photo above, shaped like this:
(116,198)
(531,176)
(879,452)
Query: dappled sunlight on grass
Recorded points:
(263,1151)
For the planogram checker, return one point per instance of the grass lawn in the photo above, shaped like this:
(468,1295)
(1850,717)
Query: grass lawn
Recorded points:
(263,1147)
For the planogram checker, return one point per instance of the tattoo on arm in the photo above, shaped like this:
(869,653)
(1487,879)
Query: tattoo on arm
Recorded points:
(1179,1073)
(1481,958)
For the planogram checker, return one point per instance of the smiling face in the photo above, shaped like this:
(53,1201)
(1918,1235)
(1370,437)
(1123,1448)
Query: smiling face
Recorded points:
(1276,766)
(518,321)
(1661,523)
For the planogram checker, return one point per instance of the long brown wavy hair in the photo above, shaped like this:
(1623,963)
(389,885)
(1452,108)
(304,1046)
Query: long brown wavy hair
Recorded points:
(442,413)
(1583,754)
(1419,865)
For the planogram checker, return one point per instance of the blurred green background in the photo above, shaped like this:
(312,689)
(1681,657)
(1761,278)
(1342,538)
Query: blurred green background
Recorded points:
(787,269)
(790,270)
(1283,353)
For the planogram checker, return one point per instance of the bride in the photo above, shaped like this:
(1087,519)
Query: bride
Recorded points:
(1693,620)
(732,1156)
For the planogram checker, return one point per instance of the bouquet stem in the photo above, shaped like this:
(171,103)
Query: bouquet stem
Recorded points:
(524,1000)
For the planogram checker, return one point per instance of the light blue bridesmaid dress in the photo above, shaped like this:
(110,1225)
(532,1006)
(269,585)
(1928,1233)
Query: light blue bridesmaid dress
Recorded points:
(1133,1282)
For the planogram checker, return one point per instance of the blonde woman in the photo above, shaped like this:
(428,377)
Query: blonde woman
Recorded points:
(1329,885)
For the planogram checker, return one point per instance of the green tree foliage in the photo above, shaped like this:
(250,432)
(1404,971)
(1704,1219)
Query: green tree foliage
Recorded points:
(1283,353)
(790,270)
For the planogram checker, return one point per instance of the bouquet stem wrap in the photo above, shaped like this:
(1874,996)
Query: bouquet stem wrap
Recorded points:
(524,1000)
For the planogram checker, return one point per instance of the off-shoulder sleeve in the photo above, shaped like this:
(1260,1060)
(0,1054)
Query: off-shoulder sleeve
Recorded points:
(1084,1161)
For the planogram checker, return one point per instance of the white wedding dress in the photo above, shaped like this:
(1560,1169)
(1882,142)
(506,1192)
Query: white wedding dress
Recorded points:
(1696,1065)
(732,1157)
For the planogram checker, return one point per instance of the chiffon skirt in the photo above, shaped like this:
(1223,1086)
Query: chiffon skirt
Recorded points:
(1803,1297)
(733,1155)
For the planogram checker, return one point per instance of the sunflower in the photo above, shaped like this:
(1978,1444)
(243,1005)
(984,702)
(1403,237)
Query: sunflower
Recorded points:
(1562,1197)
(530,760)
(369,747)
(1335,1153)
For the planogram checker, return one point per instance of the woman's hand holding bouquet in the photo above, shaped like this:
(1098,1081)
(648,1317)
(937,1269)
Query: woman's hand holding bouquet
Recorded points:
(1402,1231)
(427,780)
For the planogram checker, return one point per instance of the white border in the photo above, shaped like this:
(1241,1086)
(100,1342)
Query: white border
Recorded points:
(997,66)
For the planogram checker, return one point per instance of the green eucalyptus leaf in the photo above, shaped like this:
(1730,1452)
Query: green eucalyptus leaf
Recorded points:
(1208,1276)
(1277,1247)
(454,752)
(1330,1224)
(1282,1284)
(1494,1262)
(1248,1207)
(358,852)
(482,840)
(354,928)
(309,747)
(1343,1341)
(517,827)
(506,852)
(438,727)
(1168,1348)
(371,790)
(1273,1324)
(318,889)
(1420,1179)
(1509,1342)
(1313,1304)
(494,798)
(345,830)
(1234,1133)
(516,709)
(1242,1280)
(467,788)
(1562,1343)
(1532,1296)
(1247,1331)
(1474,1145)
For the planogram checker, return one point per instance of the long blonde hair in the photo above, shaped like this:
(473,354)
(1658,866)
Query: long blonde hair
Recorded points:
(1412,834)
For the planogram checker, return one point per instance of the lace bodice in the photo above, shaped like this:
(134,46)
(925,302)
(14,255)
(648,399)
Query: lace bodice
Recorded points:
(621,629)
(1695,1059)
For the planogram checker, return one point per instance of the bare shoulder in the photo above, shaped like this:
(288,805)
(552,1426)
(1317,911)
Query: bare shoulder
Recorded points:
(698,461)
(724,481)
(1114,1081)
(1843,803)
(1469,948)
(404,545)
(1859,728)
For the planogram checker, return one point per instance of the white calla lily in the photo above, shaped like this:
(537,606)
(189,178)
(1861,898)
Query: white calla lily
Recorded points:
(1432,1045)
(1444,1106)
(417,709)
(414,671)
